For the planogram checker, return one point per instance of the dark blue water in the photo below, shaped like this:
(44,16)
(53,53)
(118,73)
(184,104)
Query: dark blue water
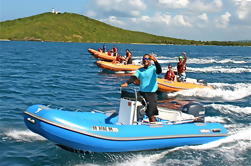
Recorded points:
(64,75)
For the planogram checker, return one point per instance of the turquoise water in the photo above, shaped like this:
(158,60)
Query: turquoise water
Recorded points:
(65,76)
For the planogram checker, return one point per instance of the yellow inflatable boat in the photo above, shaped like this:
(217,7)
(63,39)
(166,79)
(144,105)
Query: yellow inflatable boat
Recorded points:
(165,85)
(101,55)
(117,66)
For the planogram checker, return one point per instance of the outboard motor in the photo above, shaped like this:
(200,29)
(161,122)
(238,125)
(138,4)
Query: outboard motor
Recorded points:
(195,109)
(141,112)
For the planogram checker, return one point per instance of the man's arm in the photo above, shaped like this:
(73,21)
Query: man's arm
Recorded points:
(158,67)
(131,80)
(185,59)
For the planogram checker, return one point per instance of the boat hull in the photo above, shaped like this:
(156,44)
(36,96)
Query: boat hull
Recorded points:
(101,55)
(117,66)
(174,86)
(96,132)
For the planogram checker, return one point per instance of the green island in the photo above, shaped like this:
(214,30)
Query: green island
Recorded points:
(70,27)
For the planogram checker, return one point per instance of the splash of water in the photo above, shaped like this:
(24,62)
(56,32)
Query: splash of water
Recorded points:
(202,61)
(219,69)
(216,119)
(237,138)
(225,92)
(23,135)
(215,69)
(147,160)
(231,108)
(242,135)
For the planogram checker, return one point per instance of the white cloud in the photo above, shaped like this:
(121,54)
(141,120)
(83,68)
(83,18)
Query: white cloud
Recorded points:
(114,21)
(134,13)
(91,13)
(137,4)
(243,8)
(106,3)
(160,19)
(145,19)
(218,3)
(180,20)
(120,5)
(173,3)
(223,20)
(203,17)
(202,6)
(188,19)
(163,18)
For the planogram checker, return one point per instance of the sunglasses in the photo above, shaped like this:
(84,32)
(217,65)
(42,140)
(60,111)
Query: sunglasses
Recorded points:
(146,59)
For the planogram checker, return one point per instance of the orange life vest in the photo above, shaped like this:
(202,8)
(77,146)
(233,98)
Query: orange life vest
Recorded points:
(181,67)
(170,75)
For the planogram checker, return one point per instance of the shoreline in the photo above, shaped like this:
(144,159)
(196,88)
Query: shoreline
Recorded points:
(132,43)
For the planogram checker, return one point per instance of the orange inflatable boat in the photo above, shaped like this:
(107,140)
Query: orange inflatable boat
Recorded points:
(117,66)
(173,86)
(101,55)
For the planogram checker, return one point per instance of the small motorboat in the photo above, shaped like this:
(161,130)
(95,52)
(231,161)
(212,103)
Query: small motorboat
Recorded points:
(117,67)
(124,130)
(165,85)
(101,55)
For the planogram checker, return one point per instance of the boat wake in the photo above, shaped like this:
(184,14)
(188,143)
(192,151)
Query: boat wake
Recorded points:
(214,69)
(163,59)
(217,119)
(230,109)
(220,92)
(220,69)
(237,143)
(23,136)
(239,140)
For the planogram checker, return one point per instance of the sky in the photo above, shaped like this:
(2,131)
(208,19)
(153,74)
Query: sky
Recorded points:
(205,20)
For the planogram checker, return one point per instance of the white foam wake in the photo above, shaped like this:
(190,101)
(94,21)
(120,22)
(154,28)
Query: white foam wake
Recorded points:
(232,144)
(222,91)
(211,60)
(238,135)
(227,109)
(149,160)
(220,69)
(201,61)
(23,135)
(214,69)
(217,119)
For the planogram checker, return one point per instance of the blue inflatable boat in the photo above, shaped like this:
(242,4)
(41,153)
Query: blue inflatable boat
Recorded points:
(124,130)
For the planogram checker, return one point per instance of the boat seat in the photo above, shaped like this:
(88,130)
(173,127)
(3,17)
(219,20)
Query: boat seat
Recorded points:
(173,115)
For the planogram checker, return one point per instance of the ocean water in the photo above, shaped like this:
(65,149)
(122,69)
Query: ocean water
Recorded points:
(65,76)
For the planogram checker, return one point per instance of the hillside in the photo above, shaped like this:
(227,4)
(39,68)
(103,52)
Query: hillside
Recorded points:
(69,27)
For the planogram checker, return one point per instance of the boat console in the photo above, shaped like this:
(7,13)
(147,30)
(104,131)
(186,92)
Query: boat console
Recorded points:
(133,105)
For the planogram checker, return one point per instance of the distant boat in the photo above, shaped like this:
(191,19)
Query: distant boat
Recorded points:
(117,66)
(101,55)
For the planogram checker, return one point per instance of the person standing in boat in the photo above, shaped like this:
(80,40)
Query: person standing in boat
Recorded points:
(147,75)
(170,73)
(181,67)
(115,51)
(104,48)
(128,58)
